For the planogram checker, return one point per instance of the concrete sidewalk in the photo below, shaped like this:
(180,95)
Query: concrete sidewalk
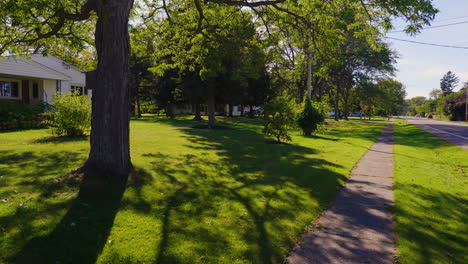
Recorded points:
(358,228)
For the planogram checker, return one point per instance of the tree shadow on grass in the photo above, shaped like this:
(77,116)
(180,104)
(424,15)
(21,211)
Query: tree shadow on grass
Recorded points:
(54,139)
(35,234)
(262,190)
(322,137)
(432,225)
(410,135)
(33,168)
(82,233)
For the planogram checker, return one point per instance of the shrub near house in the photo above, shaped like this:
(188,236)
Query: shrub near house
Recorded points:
(21,116)
(70,115)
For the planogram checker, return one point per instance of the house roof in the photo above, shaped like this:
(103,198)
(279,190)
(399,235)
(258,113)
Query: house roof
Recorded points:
(20,67)
(37,56)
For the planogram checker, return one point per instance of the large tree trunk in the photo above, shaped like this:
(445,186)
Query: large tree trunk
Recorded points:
(251,113)
(170,111)
(110,147)
(211,106)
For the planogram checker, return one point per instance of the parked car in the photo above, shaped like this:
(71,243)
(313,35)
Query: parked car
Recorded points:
(256,111)
(332,114)
(356,114)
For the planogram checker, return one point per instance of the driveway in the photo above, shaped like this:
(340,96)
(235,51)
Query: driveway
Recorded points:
(455,133)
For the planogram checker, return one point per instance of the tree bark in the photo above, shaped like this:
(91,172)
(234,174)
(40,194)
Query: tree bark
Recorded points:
(197,116)
(110,147)
(138,105)
(170,111)
(211,106)
(251,113)
(231,109)
(309,75)
(337,109)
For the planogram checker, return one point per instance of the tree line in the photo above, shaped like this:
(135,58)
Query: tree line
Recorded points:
(443,103)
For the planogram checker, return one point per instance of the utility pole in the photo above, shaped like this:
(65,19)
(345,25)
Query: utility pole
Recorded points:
(466,105)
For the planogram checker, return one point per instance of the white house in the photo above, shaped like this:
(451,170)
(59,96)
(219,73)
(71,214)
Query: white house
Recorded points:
(36,79)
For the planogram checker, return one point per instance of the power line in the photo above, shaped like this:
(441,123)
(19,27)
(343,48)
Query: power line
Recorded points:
(437,26)
(428,44)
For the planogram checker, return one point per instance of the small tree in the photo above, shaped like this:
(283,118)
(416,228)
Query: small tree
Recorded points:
(280,118)
(310,118)
(71,115)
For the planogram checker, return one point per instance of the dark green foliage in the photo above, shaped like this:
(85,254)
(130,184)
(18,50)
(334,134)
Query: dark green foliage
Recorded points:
(310,118)
(448,83)
(21,116)
(452,106)
(280,116)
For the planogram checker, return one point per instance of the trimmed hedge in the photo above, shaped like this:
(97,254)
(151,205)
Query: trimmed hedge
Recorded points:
(21,116)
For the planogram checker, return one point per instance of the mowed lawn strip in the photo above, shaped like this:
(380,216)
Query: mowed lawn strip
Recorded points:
(200,196)
(431,192)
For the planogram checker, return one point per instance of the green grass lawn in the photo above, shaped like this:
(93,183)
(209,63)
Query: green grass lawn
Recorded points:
(199,196)
(431,192)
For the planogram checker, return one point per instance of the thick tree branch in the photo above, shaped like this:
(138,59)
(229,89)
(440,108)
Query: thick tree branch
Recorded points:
(263,20)
(167,11)
(296,16)
(367,11)
(249,4)
(63,16)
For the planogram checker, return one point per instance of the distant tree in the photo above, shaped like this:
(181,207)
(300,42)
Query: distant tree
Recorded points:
(448,83)
(465,86)
(393,96)
(436,94)
(412,104)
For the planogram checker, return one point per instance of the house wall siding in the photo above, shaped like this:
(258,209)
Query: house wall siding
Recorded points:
(49,89)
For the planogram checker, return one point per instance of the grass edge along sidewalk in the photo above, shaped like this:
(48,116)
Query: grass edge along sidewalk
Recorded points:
(431,193)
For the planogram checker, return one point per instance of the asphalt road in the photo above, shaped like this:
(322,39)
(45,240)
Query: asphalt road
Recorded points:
(455,133)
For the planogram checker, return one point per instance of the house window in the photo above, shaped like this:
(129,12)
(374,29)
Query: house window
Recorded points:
(77,88)
(9,89)
(58,87)
(35,90)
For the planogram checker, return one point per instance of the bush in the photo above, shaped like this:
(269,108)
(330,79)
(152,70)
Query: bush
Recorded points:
(71,115)
(310,118)
(21,116)
(279,118)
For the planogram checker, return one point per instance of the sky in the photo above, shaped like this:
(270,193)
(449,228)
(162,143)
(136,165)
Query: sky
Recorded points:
(420,67)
